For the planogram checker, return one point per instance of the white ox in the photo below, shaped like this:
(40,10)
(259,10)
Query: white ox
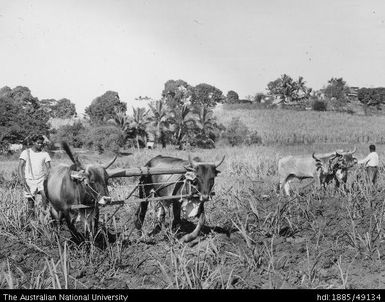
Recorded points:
(322,168)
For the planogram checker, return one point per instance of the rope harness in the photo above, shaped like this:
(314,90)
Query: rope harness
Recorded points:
(79,178)
(183,186)
(184,180)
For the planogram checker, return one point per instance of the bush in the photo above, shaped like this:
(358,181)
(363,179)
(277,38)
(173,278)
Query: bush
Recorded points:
(254,138)
(319,105)
(204,141)
(73,134)
(104,138)
(236,132)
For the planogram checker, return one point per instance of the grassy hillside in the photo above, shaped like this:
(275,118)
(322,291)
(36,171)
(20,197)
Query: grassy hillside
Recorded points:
(308,127)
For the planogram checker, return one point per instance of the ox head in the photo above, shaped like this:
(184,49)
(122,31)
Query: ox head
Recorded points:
(204,175)
(324,164)
(346,159)
(95,179)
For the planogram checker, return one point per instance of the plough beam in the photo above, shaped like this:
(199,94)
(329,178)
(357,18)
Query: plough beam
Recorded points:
(145,171)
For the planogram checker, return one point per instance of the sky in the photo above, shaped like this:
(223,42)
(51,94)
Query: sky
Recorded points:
(79,49)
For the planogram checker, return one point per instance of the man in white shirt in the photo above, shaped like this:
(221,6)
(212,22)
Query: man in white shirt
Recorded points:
(371,164)
(34,165)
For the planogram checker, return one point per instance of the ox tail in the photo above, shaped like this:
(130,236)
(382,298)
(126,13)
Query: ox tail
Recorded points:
(45,188)
(74,159)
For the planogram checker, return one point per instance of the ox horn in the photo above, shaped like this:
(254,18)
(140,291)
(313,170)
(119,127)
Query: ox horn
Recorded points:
(191,161)
(354,150)
(342,152)
(218,163)
(315,157)
(113,160)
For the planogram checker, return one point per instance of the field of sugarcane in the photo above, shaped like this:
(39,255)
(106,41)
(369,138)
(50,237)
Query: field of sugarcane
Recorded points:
(309,127)
(254,239)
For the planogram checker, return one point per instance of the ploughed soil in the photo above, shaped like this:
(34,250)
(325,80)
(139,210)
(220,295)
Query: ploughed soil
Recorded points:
(251,241)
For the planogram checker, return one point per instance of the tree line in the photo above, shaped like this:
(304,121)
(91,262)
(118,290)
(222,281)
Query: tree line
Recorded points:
(335,95)
(182,116)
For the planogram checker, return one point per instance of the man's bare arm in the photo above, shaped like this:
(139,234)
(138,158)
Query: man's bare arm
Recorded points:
(21,173)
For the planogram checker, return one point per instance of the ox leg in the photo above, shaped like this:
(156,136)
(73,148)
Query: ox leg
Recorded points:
(285,187)
(91,222)
(176,208)
(96,221)
(337,184)
(144,192)
(44,201)
(194,234)
(74,232)
(161,214)
(141,214)
(56,218)
(318,181)
(344,181)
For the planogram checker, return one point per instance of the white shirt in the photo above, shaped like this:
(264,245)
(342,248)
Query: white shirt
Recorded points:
(37,160)
(371,160)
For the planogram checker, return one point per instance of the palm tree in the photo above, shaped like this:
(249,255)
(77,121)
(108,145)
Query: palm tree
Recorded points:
(183,122)
(206,120)
(302,91)
(159,119)
(139,124)
(206,124)
(288,88)
(122,121)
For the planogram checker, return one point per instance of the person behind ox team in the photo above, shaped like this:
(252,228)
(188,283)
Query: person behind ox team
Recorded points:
(34,165)
(371,164)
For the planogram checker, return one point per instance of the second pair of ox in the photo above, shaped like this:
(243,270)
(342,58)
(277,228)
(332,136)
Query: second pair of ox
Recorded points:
(324,168)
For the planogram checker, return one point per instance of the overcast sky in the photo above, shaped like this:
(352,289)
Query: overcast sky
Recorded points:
(78,49)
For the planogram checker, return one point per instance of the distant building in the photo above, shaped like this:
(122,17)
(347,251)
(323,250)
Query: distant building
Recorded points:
(244,101)
(353,91)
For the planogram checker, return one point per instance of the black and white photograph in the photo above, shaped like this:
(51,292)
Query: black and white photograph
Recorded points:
(192,144)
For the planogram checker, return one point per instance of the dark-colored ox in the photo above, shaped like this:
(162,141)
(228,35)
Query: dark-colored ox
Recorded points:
(323,168)
(341,165)
(74,185)
(201,176)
